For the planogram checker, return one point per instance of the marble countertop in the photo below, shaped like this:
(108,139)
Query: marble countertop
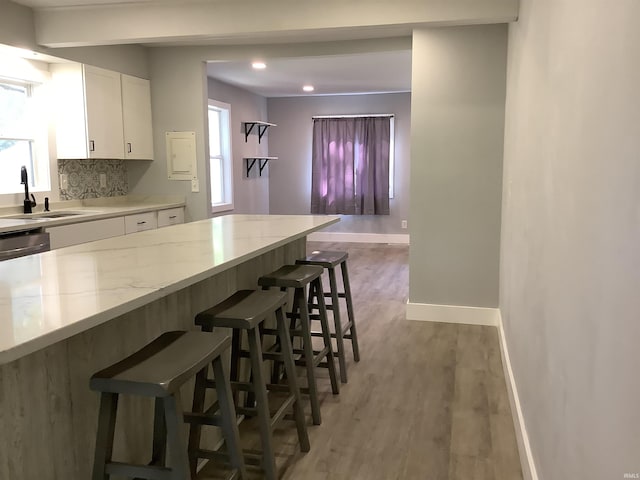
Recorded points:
(90,209)
(48,297)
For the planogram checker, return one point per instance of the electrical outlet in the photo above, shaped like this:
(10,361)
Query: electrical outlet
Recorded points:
(403,224)
(64,181)
(103,180)
(195,185)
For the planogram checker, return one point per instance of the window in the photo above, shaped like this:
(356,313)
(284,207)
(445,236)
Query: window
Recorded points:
(352,163)
(220,168)
(22,138)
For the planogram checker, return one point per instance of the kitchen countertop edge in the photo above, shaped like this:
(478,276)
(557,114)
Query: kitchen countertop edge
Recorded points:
(10,224)
(66,331)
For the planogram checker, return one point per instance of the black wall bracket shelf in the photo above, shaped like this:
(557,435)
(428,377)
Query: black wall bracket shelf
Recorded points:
(262,163)
(262,128)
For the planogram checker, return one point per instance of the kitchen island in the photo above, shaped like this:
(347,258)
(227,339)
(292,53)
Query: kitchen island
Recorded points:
(67,313)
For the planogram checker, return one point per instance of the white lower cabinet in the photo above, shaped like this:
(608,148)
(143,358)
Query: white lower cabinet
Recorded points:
(140,222)
(171,216)
(76,233)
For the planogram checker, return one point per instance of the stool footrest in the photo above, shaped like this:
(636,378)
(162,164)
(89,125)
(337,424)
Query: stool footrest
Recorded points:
(235,386)
(275,387)
(221,457)
(315,306)
(318,356)
(205,418)
(280,413)
(130,470)
(333,335)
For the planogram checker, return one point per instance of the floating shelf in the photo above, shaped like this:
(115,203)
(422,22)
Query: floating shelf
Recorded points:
(262,128)
(262,162)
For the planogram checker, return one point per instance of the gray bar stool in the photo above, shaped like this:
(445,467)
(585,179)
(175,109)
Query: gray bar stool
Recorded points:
(298,277)
(247,310)
(329,261)
(159,370)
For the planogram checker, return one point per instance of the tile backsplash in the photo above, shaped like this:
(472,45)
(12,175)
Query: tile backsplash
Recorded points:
(84,178)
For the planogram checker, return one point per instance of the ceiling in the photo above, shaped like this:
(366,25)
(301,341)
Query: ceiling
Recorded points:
(246,26)
(381,72)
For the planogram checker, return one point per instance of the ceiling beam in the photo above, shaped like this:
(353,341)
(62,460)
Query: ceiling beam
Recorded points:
(225,22)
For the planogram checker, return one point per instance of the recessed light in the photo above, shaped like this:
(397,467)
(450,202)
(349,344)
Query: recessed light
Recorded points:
(259,65)
(308,88)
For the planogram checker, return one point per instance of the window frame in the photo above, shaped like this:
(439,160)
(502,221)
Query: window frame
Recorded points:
(39,163)
(356,145)
(226,157)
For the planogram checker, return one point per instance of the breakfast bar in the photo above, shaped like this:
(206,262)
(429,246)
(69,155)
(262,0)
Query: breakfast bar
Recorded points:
(67,313)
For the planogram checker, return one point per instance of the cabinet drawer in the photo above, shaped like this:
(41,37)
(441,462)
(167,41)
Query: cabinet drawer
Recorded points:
(171,216)
(140,222)
(76,233)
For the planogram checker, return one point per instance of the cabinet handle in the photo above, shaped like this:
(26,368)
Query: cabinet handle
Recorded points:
(172,217)
(141,223)
(92,146)
(129,147)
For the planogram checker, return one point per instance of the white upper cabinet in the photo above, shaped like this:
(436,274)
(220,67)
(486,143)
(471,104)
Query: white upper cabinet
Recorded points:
(101,114)
(136,114)
(88,112)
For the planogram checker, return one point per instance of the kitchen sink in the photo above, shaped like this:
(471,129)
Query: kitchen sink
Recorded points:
(60,214)
(49,215)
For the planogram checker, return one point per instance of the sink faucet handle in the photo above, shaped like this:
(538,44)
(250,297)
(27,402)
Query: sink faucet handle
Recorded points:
(46,204)
(33,200)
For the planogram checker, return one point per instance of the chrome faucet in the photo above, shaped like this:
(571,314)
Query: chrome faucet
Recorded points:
(29,203)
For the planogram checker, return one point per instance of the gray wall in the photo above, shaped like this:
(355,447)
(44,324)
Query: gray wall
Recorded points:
(457,118)
(179,91)
(251,194)
(570,258)
(291,140)
(16,25)
(178,101)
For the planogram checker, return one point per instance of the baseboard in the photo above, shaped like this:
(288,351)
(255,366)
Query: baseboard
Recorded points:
(359,237)
(524,447)
(427,312)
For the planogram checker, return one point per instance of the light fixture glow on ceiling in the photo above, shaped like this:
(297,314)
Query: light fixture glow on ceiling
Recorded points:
(259,65)
(308,88)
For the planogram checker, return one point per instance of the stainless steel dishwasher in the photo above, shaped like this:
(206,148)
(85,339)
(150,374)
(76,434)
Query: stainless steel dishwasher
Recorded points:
(20,244)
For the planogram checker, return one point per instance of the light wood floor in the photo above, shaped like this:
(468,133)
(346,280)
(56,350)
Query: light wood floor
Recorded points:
(426,401)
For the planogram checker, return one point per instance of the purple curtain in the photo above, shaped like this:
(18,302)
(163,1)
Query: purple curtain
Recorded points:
(350,166)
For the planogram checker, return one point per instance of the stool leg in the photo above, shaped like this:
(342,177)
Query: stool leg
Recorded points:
(174,420)
(251,398)
(307,347)
(335,309)
(195,429)
(228,412)
(352,318)
(290,370)
(326,335)
(159,450)
(106,431)
(236,342)
(262,406)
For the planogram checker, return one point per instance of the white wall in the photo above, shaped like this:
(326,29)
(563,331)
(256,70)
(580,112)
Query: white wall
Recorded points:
(291,140)
(457,125)
(570,257)
(251,194)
